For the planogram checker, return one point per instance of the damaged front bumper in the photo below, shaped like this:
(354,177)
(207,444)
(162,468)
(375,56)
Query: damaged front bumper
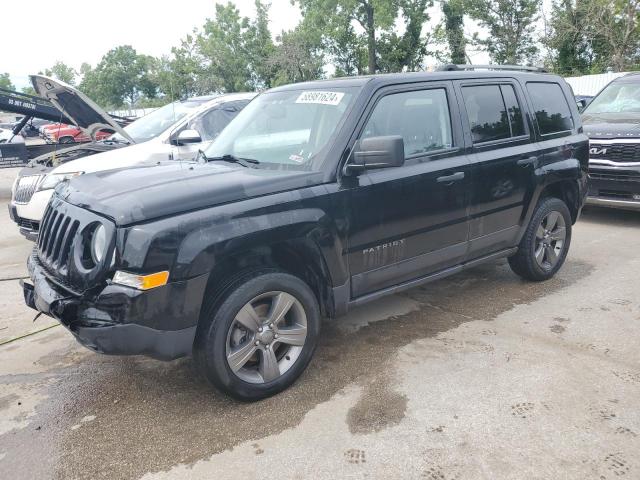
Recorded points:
(118,320)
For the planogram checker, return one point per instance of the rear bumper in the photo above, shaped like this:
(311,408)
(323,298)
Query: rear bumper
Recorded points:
(159,323)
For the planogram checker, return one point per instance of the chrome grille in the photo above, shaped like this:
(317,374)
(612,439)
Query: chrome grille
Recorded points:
(26,188)
(55,239)
(616,176)
(615,152)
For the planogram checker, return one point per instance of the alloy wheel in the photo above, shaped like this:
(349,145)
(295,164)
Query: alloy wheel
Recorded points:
(266,337)
(550,240)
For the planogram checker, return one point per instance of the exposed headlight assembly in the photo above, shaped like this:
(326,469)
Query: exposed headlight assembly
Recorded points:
(50,181)
(98,244)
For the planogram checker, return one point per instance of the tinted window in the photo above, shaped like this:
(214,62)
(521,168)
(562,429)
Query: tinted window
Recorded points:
(513,108)
(487,114)
(421,118)
(551,107)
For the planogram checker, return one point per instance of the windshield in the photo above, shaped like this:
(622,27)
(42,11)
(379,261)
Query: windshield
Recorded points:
(156,122)
(287,129)
(616,98)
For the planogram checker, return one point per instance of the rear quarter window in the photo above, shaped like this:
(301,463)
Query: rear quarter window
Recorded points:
(552,111)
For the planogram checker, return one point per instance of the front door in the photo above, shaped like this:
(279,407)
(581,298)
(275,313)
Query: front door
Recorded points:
(410,221)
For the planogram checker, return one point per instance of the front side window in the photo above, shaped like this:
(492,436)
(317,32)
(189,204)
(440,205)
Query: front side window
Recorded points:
(420,117)
(550,105)
(493,112)
(289,129)
(210,124)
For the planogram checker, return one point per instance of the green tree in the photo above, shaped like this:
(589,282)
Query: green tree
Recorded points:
(333,20)
(235,50)
(5,82)
(591,36)
(614,32)
(406,51)
(510,25)
(180,75)
(260,47)
(295,58)
(453,22)
(62,72)
(121,77)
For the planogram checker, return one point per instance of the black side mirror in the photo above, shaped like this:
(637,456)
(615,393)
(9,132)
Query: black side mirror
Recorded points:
(377,152)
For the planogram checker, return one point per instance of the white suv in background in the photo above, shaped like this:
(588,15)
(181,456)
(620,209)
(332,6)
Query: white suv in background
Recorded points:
(174,132)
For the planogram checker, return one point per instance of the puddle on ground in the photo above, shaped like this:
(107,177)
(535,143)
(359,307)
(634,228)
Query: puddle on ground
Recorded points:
(152,415)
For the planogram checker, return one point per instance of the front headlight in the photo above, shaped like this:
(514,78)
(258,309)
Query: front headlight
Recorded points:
(53,179)
(98,244)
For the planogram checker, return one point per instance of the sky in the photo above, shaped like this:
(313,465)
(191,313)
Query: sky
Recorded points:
(82,31)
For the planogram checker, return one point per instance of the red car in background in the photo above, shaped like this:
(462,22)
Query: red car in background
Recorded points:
(61,133)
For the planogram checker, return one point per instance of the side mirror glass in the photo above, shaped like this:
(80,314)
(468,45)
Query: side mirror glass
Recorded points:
(188,136)
(377,152)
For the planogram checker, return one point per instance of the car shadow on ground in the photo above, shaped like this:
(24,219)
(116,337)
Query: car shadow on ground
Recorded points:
(610,216)
(151,415)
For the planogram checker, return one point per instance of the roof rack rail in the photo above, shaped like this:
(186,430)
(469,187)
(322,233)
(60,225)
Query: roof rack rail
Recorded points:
(452,67)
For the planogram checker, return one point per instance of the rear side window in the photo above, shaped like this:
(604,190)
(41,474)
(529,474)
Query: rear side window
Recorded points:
(493,112)
(550,105)
(420,117)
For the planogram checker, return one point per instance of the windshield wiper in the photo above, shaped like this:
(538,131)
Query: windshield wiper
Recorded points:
(245,162)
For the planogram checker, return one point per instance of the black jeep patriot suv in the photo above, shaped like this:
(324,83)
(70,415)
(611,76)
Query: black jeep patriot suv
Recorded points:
(612,123)
(317,198)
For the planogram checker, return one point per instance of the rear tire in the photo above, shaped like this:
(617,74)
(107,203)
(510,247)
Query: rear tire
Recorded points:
(545,244)
(259,336)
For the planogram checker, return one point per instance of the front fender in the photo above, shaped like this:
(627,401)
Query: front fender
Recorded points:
(194,243)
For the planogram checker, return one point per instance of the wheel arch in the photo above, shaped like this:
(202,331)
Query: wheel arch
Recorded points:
(301,258)
(566,190)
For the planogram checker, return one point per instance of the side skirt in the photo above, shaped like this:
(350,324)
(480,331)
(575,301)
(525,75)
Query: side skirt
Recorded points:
(342,305)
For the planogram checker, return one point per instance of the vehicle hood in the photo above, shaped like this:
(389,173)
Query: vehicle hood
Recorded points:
(114,158)
(139,194)
(76,106)
(611,125)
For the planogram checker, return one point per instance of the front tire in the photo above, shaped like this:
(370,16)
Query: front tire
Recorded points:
(258,339)
(545,244)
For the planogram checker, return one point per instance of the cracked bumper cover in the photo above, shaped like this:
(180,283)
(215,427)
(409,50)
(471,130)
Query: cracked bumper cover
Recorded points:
(118,320)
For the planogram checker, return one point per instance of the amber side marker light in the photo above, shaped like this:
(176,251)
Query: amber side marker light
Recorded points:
(141,282)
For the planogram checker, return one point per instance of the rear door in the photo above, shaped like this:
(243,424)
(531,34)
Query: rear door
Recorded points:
(503,157)
(409,221)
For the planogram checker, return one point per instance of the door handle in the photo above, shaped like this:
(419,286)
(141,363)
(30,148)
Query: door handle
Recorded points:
(525,162)
(454,177)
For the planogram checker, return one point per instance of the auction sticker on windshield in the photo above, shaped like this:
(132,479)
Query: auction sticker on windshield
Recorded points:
(322,98)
